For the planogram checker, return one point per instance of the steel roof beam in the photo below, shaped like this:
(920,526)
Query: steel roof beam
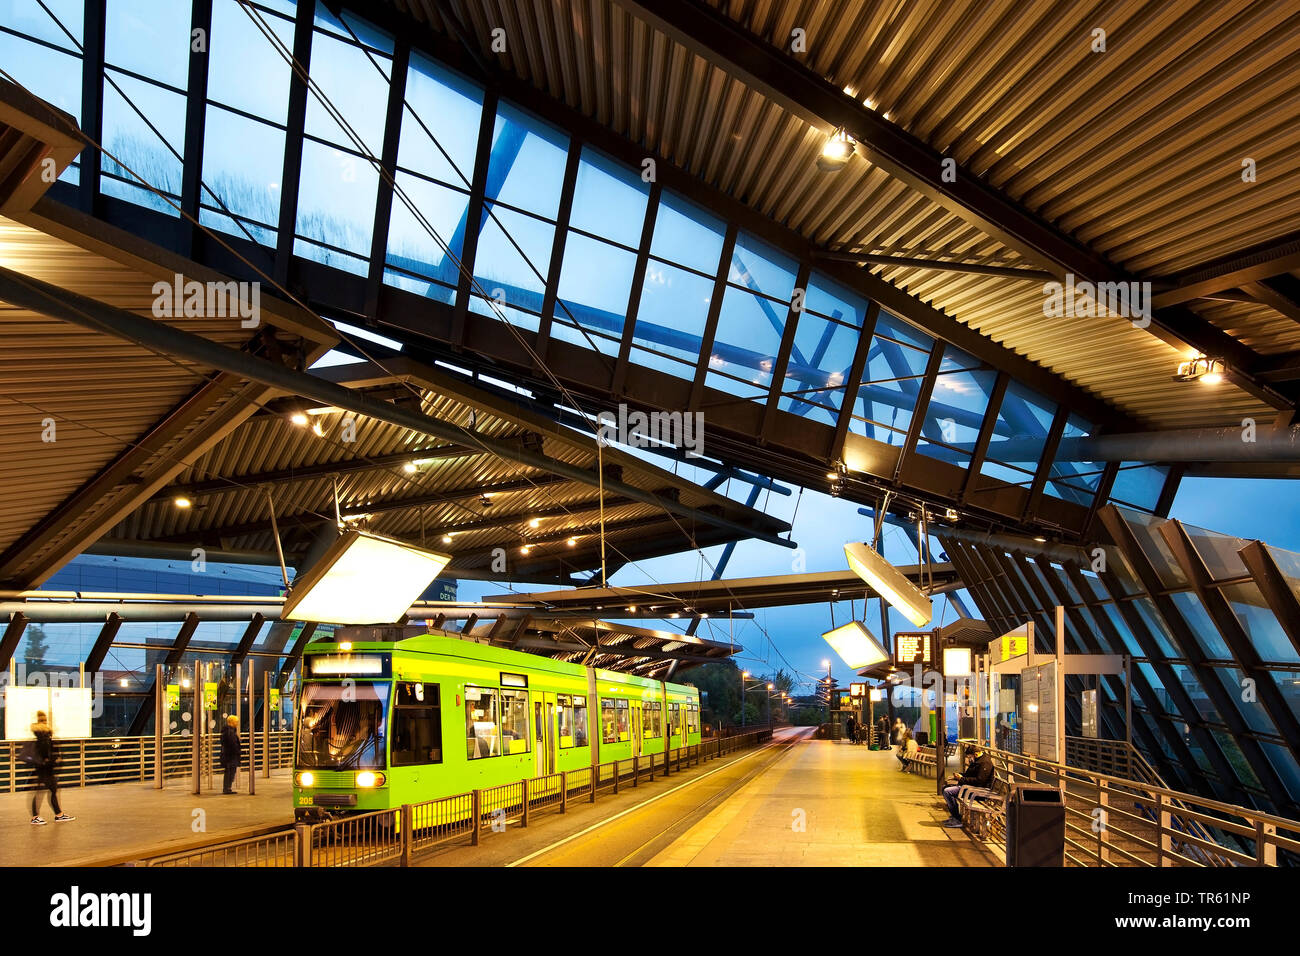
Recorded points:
(802,92)
(89,313)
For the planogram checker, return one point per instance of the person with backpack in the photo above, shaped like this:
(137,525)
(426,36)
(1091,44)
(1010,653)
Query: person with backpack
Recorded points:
(44,760)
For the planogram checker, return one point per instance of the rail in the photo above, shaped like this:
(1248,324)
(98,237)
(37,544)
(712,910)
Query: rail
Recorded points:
(93,761)
(1117,821)
(393,837)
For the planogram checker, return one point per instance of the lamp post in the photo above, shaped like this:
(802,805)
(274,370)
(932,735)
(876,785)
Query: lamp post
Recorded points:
(744,676)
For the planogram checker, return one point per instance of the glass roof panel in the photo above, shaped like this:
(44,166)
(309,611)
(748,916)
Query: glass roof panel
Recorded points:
(890,384)
(671,317)
(355,83)
(1207,635)
(1139,485)
(759,268)
(609,200)
(746,344)
(245,70)
(526,168)
(595,281)
(951,425)
(1266,634)
(1019,434)
(148,38)
(1072,479)
(440,123)
(687,235)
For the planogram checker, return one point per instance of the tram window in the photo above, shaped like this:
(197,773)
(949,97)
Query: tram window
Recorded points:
(608,721)
(693,719)
(675,717)
(624,719)
(565,707)
(514,721)
(417,725)
(652,718)
(342,728)
(579,721)
(482,737)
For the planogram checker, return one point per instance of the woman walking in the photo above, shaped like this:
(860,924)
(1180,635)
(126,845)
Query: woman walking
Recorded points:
(45,759)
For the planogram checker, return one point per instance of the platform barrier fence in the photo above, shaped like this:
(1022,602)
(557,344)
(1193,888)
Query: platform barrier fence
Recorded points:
(1113,821)
(94,761)
(393,837)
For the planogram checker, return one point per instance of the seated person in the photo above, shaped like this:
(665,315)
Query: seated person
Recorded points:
(979,773)
(906,745)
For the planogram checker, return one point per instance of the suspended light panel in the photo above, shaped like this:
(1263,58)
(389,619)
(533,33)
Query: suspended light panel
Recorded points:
(856,645)
(890,583)
(363,579)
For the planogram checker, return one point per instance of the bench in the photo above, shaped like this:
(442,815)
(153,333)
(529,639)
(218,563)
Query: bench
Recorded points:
(923,758)
(983,810)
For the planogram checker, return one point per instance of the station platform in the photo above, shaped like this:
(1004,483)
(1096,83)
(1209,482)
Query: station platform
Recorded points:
(117,822)
(794,802)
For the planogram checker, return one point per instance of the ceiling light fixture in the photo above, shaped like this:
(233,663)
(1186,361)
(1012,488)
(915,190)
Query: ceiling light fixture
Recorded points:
(299,419)
(182,502)
(410,468)
(890,583)
(572,542)
(363,579)
(534,522)
(1201,369)
(835,152)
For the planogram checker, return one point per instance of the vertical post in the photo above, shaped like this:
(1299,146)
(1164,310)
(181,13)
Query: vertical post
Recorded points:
(592,775)
(1163,834)
(407,833)
(266,723)
(527,800)
(940,718)
(303,832)
(83,761)
(1265,848)
(1103,823)
(636,770)
(617,766)
(159,723)
(252,730)
(13,766)
(196,731)
(476,814)
(564,791)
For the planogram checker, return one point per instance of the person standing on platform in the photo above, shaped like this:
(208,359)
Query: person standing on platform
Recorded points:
(850,729)
(232,752)
(44,760)
(906,745)
(883,729)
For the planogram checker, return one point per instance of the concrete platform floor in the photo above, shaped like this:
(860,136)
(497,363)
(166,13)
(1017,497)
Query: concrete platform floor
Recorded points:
(828,803)
(122,819)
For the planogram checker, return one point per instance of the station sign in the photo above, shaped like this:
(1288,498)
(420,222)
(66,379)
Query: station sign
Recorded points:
(858,691)
(912,647)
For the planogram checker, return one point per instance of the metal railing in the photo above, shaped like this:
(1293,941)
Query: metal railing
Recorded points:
(93,761)
(393,837)
(1118,821)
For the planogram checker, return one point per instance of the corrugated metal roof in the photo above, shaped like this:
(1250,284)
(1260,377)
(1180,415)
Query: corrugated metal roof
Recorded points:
(1136,151)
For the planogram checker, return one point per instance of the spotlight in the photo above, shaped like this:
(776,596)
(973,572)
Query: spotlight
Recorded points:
(1040,539)
(182,502)
(534,522)
(485,500)
(951,514)
(572,542)
(835,152)
(318,429)
(446,539)
(526,550)
(1206,370)
(299,419)
(410,468)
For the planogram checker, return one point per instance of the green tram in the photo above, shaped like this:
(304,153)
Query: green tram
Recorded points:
(383,723)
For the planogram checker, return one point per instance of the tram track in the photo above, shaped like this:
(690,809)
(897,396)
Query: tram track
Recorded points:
(593,848)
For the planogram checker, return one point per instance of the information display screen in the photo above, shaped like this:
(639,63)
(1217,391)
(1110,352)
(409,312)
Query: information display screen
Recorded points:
(911,647)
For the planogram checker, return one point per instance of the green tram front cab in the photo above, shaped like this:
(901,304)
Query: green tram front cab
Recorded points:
(381,723)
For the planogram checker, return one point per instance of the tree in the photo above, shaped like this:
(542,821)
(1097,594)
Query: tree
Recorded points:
(36,648)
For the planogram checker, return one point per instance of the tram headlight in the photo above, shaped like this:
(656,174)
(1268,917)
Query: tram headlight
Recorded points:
(306,778)
(367,779)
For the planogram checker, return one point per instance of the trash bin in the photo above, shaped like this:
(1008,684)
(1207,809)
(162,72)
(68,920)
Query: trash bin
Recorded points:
(1035,826)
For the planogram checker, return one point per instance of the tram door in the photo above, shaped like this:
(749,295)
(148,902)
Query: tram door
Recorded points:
(545,732)
(638,728)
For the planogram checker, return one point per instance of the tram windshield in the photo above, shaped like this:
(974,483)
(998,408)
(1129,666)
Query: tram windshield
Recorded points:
(341,725)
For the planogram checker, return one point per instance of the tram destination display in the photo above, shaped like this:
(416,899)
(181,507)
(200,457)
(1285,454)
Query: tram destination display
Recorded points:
(912,647)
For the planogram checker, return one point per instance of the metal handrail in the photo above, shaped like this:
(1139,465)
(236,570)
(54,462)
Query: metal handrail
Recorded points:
(94,761)
(1131,758)
(392,837)
(1174,816)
